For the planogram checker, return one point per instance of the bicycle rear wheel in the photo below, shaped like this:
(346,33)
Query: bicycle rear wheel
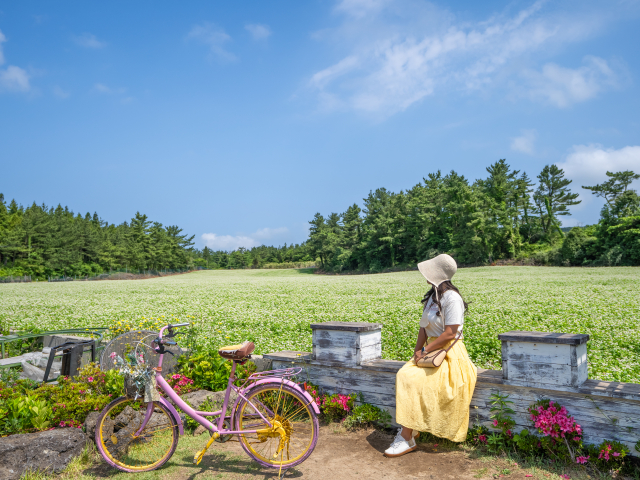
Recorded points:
(126,447)
(293,413)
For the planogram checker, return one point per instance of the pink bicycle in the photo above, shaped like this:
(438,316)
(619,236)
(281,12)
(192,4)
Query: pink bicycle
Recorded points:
(276,421)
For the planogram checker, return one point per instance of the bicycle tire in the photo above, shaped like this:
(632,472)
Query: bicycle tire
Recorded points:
(310,422)
(115,435)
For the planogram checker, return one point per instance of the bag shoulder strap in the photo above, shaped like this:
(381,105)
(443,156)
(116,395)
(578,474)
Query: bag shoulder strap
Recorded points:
(454,342)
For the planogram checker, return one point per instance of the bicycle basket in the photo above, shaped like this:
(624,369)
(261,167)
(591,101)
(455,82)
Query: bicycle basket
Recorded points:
(127,343)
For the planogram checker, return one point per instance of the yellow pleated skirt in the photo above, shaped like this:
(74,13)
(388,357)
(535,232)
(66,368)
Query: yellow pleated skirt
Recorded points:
(436,400)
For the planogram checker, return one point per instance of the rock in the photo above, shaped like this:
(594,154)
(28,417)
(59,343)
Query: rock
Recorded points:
(31,372)
(199,431)
(196,399)
(32,356)
(90,424)
(262,364)
(50,450)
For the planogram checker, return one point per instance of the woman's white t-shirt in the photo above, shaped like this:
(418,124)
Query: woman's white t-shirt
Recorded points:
(453,310)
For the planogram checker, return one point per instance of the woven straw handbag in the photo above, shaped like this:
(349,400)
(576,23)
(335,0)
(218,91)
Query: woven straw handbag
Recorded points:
(434,359)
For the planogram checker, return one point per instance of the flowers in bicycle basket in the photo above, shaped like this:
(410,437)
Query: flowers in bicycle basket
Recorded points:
(136,373)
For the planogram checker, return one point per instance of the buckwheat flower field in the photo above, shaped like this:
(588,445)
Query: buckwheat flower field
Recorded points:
(274,308)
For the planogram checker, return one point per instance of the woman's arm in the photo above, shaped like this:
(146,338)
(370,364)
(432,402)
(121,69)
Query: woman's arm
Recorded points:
(449,334)
(422,339)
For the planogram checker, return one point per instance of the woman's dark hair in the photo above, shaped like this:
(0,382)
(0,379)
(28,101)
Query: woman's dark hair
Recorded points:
(442,288)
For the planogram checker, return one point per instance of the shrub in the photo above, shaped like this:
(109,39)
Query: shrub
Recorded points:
(181,384)
(366,414)
(210,371)
(607,457)
(578,248)
(562,436)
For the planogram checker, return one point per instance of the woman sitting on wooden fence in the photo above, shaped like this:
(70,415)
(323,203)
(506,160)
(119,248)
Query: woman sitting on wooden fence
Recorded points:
(436,399)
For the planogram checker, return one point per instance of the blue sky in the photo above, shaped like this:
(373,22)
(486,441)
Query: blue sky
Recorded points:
(238,121)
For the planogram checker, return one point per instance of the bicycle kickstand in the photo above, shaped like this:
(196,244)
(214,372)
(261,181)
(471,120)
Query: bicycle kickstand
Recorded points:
(198,456)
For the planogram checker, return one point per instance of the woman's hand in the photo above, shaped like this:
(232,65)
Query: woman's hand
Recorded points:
(417,355)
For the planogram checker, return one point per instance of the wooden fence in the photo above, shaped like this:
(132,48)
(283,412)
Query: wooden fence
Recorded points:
(346,358)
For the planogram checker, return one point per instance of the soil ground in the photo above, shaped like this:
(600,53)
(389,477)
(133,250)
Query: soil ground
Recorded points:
(339,454)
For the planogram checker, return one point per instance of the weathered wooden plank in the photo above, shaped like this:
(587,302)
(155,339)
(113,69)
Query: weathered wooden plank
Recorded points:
(339,355)
(568,399)
(544,337)
(368,353)
(335,338)
(342,338)
(546,353)
(539,373)
(359,375)
(347,326)
(588,415)
(350,385)
(383,365)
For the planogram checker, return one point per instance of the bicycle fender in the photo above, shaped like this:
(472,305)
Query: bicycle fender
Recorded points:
(293,385)
(174,412)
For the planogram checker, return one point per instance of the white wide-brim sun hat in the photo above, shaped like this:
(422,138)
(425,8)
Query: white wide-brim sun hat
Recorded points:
(439,269)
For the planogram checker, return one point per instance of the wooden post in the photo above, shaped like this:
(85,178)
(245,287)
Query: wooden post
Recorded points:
(346,343)
(544,360)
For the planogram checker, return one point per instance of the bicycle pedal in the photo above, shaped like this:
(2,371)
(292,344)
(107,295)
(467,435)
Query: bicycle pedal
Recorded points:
(198,457)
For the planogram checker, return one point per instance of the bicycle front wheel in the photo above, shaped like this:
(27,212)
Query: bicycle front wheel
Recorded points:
(286,408)
(125,446)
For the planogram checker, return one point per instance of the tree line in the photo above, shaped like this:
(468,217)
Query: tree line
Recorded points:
(256,257)
(43,241)
(499,217)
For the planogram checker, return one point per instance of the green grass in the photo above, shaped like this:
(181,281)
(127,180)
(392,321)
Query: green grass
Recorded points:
(216,464)
(274,308)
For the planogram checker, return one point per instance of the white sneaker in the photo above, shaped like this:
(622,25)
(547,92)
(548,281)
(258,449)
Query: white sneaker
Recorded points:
(400,446)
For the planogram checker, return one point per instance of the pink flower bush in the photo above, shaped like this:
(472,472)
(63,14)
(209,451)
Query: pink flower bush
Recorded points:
(70,423)
(181,384)
(553,421)
(582,460)
(607,453)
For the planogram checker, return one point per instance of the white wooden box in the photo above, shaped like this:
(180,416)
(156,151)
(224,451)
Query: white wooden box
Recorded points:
(537,359)
(346,343)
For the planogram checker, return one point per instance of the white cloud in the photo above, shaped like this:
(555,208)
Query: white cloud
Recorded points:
(525,142)
(88,40)
(562,86)
(588,164)
(12,78)
(233,242)
(2,40)
(258,31)
(360,8)
(214,38)
(60,93)
(102,88)
(398,52)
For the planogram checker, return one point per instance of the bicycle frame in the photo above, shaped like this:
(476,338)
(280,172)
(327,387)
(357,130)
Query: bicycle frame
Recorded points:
(273,376)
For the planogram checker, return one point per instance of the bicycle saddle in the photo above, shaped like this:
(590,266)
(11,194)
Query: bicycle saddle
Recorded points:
(237,352)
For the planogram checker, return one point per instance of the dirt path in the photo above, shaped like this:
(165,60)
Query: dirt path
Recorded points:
(341,455)
(338,455)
